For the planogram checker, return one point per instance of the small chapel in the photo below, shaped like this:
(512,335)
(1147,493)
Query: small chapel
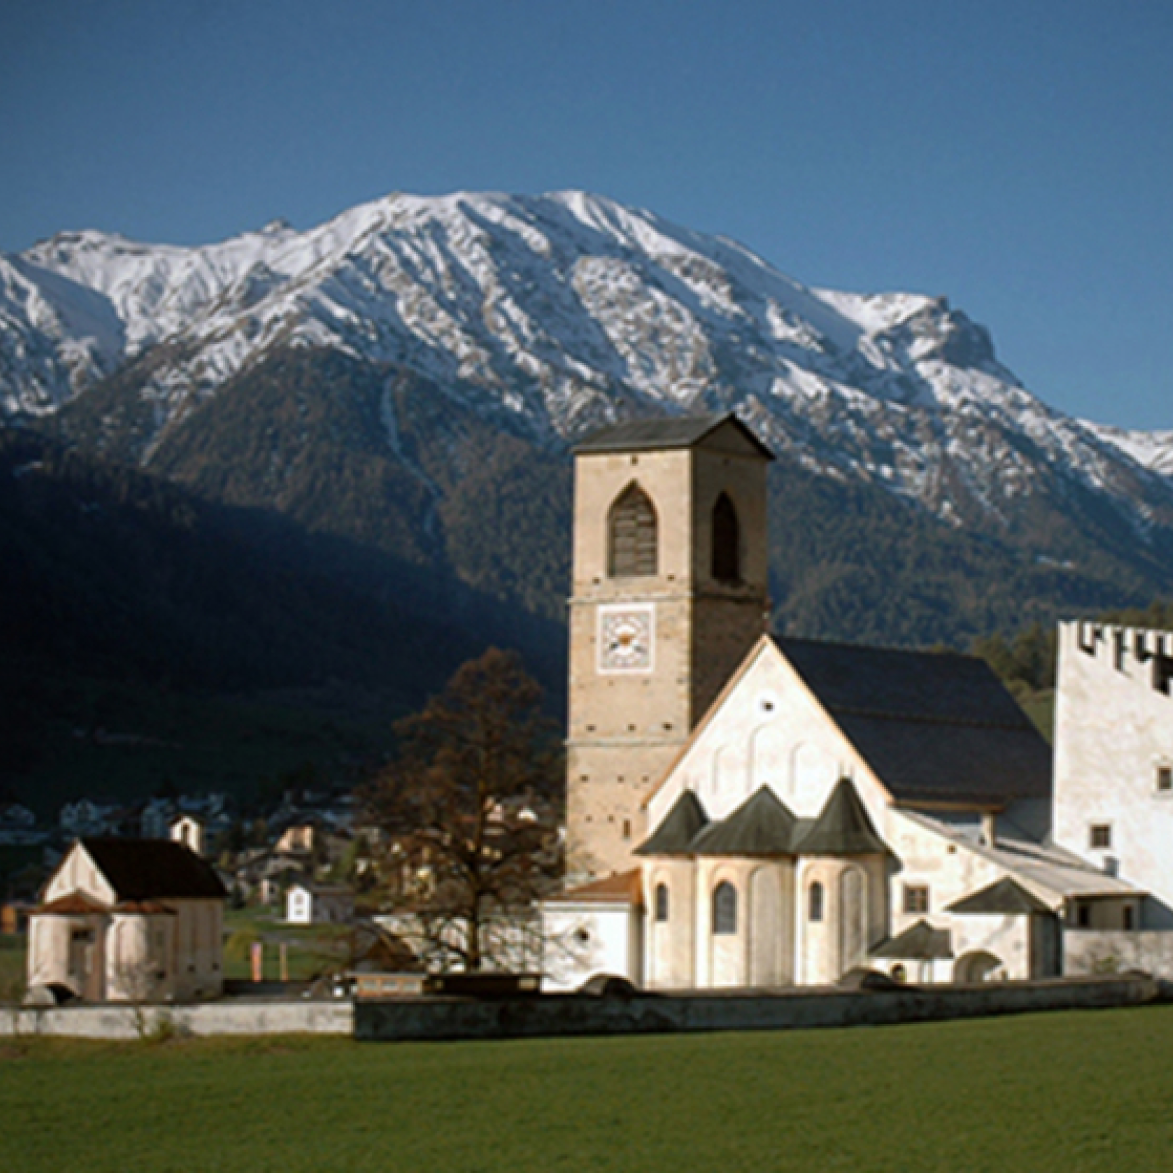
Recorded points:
(753,810)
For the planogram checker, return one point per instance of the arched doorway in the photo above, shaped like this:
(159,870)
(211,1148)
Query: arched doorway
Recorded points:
(980,966)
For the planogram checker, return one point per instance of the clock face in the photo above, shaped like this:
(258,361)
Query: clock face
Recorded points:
(626,637)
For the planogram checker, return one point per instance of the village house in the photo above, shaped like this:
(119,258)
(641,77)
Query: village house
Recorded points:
(128,920)
(318,904)
(751,810)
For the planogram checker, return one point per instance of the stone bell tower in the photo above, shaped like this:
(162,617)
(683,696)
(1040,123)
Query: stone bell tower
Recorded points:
(669,594)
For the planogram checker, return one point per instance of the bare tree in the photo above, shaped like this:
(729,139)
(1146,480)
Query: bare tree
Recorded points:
(470,808)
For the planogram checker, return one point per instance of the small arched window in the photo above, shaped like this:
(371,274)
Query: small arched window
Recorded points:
(632,535)
(661,902)
(726,541)
(815,901)
(724,909)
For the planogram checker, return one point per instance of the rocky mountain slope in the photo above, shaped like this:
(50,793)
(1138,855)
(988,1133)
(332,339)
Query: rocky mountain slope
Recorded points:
(408,376)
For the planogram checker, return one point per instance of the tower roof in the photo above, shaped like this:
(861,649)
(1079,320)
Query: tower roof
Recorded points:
(679,828)
(647,435)
(762,825)
(843,827)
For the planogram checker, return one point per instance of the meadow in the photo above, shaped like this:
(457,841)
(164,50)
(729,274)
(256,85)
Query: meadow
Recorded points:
(1072,1091)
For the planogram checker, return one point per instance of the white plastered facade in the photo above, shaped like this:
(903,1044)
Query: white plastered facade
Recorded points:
(158,950)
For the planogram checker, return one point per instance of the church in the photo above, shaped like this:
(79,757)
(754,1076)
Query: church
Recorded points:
(759,811)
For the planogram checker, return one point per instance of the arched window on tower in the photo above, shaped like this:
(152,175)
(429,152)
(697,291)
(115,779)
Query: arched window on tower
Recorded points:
(632,534)
(724,909)
(726,541)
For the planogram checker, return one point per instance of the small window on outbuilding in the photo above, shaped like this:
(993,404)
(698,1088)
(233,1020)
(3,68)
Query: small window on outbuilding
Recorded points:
(726,541)
(724,909)
(916,898)
(1100,836)
(815,902)
(632,535)
(661,902)
(1164,779)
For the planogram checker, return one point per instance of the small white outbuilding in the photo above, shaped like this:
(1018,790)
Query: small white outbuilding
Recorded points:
(131,920)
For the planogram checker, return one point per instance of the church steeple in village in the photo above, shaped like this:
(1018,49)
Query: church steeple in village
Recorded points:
(669,594)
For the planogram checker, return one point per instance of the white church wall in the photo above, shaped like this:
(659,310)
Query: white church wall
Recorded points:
(1006,938)
(671,943)
(721,956)
(928,860)
(1113,737)
(768,730)
(581,939)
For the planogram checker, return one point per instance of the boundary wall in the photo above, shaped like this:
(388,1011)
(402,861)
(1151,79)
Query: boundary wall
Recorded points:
(551,1015)
(229,1017)
(578,1014)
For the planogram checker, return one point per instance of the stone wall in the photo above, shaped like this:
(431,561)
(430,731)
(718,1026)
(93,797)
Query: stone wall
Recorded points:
(576,1014)
(229,1017)
(1107,952)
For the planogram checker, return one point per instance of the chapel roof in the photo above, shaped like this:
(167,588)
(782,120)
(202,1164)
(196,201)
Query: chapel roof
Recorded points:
(154,869)
(934,727)
(762,825)
(647,435)
(843,827)
(919,942)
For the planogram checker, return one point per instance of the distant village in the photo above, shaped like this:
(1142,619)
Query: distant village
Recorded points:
(307,837)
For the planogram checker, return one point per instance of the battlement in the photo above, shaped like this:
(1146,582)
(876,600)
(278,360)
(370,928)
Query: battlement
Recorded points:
(1123,648)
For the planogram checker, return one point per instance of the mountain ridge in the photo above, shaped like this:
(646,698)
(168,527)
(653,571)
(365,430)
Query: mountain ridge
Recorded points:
(474,321)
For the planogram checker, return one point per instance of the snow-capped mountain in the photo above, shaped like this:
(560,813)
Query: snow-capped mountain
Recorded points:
(550,314)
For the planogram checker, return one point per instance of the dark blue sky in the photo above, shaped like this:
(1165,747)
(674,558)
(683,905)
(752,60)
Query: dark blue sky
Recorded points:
(1014,156)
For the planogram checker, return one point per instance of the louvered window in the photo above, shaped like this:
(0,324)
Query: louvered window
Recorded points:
(633,535)
(726,541)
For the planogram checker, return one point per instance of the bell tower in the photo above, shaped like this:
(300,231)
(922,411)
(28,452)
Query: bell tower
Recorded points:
(669,594)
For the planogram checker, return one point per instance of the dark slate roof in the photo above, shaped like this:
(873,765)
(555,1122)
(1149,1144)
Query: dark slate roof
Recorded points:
(919,942)
(154,869)
(935,727)
(842,828)
(679,828)
(645,435)
(1004,897)
(762,825)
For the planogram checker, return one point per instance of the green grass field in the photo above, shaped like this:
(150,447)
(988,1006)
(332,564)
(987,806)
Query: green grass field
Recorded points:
(1071,1092)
